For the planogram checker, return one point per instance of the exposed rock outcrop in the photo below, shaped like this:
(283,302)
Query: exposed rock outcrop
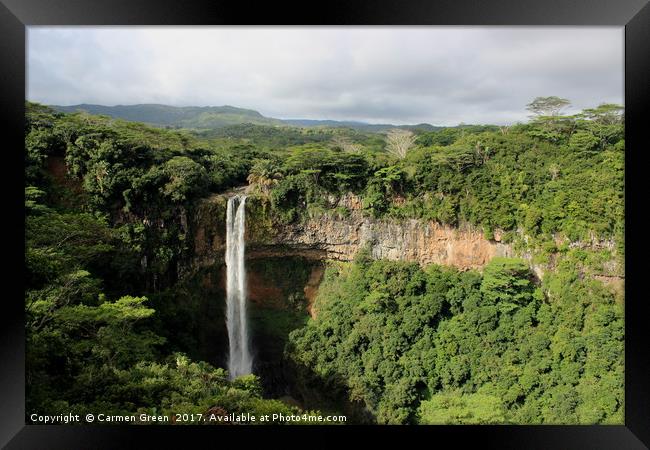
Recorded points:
(411,240)
(311,288)
(337,237)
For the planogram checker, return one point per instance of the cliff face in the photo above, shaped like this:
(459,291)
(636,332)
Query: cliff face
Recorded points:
(337,237)
(423,242)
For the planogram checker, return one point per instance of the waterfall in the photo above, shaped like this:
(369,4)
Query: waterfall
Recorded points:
(240,361)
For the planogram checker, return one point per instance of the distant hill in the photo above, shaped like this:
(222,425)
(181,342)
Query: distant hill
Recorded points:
(362,126)
(324,123)
(213,117)
(202,117)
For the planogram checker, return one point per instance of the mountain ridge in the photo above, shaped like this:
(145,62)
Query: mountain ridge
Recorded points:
(211,117)
(175,116)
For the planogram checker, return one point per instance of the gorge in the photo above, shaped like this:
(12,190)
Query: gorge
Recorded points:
(286,263)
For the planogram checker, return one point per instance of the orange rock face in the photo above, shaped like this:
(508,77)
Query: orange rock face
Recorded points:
(411,240)
(331,236)
(261,292)
(311,288)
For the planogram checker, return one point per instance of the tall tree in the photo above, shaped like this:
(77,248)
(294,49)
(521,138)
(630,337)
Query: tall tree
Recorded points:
(344,143)
(264,174)
(548,106)
(399,142)
(606,114)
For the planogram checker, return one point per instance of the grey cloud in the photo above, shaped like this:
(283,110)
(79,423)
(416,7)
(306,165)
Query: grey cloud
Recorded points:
(440,75)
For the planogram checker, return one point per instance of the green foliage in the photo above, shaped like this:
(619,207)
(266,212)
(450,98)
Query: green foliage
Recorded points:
(440,346)
(186,177)
(33,201)
(507,281)
(583,141)
(371,317)
(454,408)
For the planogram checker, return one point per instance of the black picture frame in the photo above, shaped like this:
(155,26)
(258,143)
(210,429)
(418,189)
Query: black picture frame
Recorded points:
(634,15)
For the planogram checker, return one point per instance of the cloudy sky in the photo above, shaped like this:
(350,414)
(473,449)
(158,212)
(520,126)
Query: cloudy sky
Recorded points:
(439,75)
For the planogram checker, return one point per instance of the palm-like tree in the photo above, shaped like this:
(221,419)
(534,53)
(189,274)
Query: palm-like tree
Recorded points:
(264,174)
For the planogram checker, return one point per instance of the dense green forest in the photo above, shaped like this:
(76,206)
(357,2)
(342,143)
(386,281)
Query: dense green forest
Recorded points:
(438,346)
(106,208)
